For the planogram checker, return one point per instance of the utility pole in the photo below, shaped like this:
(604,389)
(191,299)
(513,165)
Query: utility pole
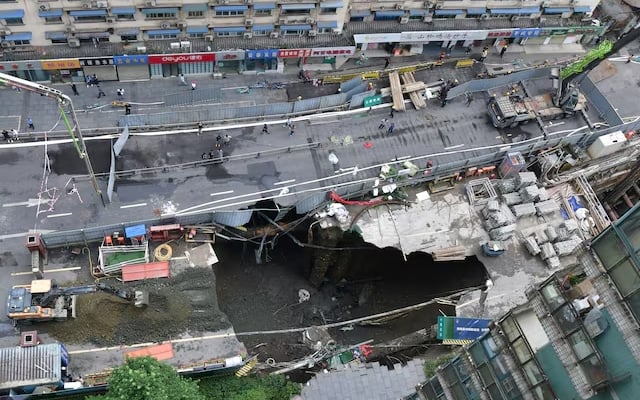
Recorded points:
(64,104)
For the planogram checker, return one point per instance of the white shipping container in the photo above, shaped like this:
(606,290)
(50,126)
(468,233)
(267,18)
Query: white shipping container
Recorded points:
(607,144)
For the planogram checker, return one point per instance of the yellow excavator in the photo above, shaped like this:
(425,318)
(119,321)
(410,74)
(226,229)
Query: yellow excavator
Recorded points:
(43,300)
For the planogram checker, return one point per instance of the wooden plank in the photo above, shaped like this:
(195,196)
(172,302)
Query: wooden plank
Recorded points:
(138,272)
(396,91)
(160,352)
(410,84)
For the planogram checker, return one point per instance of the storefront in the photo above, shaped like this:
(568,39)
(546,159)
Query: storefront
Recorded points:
(229,61)
(29,70)
(261,60)
(63,70)
(132,68)
(412,42)
(102,67)
(167,65)
(293,58)
(327,55)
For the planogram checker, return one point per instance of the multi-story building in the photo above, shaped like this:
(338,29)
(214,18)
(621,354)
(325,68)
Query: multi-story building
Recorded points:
(284,32)
(576,338)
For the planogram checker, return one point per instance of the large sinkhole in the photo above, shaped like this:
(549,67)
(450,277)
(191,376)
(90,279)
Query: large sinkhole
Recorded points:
(359,280)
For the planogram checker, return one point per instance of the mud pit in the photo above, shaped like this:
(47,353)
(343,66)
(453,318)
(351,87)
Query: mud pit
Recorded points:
(184,303)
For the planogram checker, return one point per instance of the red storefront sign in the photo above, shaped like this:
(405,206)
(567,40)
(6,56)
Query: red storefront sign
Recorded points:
(500,34)
(182,58)
(294,53)
(333,51)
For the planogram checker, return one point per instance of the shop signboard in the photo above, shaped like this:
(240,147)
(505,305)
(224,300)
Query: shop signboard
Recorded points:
(17,65)
(94,62)
(182,58)
(333,51)
(67,63)
(294,53)
(139,59)
(500,33)
(436,36)
(372,100)
(261,54)
(461,328)
(230,55)
(527,32)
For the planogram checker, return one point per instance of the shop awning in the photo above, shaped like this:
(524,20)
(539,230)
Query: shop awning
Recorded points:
(303,6)
(195,7)
(264,6)
(18,36)
(476,10)
(50,13)
(556,10)
(582,9)
(449,12)
(198,29)
(160,32)
(88,13)
(55,35)
(418,12)
(360,13)
(327,24)
(331,4)
(261,54)
(230,29)
(166,10)
(398,13)
(515,11)
(264,27)
(128,32)
(231,8)
(90,35)
(11,14)
(123,10)
(295,27)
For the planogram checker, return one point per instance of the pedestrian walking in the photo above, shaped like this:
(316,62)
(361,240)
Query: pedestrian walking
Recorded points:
(100,92)
(5,135)
(265,129)
(485,53)
(503,50)
(629,58)
(30,124)
(200,126)
(17,89)
(193,85)
(393,109)
(468,50)
(120,93)
(442,55)
(182,80)
(14,134)
(292,130)
(287,123)
(387,61)
(127,109)
(383,123)
(226,139)
(391,127)
(74,88)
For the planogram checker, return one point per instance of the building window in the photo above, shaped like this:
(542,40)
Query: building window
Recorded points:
(328,10)
(238,13)
(163,36)
(196,35)
(262,32)
(128,38)
(125,17)
(295,12)
(229,33)
(323,31)
(53,20)
(59,41)
(298,32)
(13,21)
(195,14)
(262,13)
(87,19)
(21,42)
(160,15)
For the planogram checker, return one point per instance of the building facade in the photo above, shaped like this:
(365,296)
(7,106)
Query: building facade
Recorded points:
(576,338)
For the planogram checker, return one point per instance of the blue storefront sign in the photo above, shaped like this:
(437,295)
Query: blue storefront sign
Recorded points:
(470,328)
(526,32)
(261,54)
(139,59)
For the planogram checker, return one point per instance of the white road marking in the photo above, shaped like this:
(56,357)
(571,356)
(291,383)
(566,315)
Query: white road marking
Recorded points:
(454,147)
(28,203)
(221,193)
(284,182)
(134,205)
(400,158)
(59,215)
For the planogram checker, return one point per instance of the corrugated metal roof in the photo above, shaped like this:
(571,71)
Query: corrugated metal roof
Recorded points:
(23,366)
(232,218)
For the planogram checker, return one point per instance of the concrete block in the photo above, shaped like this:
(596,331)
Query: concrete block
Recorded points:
(493,205)
(529,193)
(524,179)
(540,237)
(511,199)
(547,251)
(570,225)
(496,220)
(566,247)
(507,185)
(543,195)
(532,246)
(551,233)
(553,262)
(547,207)
(524,210)
(502,233)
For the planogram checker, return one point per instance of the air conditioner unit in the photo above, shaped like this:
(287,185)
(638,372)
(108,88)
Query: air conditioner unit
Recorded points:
(73,42)
(439,6)
(182,25)
(484,16)
(337,31)
(223,1)
(248,35)
(312,33)
(248,22)
(248,1)
(150,3)
(174,45)
(310,21)
(5,44)
(185,44)
(111,20)
(44,7)
(70,28)
(404,20)
(274,35)
(165,25)
(86,4)
(102,4)
(282,21)
(208,38)
(428,19)
(398,7)
(5,32)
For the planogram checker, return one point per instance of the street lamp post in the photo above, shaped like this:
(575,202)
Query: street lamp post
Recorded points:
(64,102)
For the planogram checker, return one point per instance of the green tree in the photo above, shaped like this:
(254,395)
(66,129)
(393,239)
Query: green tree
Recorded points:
(270,387)
(145,378)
